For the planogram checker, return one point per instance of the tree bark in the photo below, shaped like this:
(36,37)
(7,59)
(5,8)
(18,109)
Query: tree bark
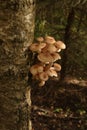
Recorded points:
(16,34)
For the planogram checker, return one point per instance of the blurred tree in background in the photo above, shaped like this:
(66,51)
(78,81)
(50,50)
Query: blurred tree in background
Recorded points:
(66,20)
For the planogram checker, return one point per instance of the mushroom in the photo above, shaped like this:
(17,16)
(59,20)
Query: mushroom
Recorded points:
(40,39)
(34,47)
(45,57)
(43,76)
(52,73)
(49,48)
(37,47)
(42,45)
(49,40)
(42,83)
(55,56)
(35,69)
(60,45)
(47,67)
(57,67)
(40,69)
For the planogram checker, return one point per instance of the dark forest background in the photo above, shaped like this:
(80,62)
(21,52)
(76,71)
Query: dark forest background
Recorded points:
(66,20)
(63,105)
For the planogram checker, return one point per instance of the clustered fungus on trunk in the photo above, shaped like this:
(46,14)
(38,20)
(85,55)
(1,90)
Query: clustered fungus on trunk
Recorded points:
(47,50)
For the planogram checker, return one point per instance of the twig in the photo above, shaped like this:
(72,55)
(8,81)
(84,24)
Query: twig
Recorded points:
(52,114)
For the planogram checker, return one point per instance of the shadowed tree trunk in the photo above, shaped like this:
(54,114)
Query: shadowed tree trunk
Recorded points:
(67,36)
(16,34)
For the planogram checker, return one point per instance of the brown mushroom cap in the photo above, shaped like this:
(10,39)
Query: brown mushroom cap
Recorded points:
(49,40)
(42,45)
(34,47)
(47,67)
(45,57)
(40,69)
(56,56)
(57,67)
(40,39)
(42,83)
(43,76)
(51,48)
(34,69)
(52,73)
(60,45)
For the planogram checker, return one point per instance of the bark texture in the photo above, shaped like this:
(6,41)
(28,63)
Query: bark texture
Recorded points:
(16,34)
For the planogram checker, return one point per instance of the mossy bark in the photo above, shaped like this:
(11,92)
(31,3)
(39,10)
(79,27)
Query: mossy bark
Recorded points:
(16,34)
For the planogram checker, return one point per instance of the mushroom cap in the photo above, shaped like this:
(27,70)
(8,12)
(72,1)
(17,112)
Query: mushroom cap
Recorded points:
(60,45)
(34,69)
(57,67)
(40,69)
(37,47)
(42,83)
(52,73)
(40,39)
(56,56)
(47,67)
(49,48)
(49,40)
(43,76)
(42,45)
(45,57)
(34,47)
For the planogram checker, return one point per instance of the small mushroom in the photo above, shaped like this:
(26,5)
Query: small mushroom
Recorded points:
(60,45)
(42,83)
(42,45)
(43,76)
(49,40)
(47,67)
(34,70)
(51,48)
(34,47)
(55,56)
(37,47)
(45,57)
(40,39)
(57,67)
(52,73)
(40,69)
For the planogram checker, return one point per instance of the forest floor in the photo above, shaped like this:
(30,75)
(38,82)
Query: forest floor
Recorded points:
(60,106)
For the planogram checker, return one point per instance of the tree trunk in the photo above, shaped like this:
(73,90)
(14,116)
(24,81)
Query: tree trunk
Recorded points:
(67,36)
(16,34)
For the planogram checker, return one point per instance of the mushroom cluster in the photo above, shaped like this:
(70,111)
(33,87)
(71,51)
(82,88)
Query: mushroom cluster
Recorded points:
(47,50)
